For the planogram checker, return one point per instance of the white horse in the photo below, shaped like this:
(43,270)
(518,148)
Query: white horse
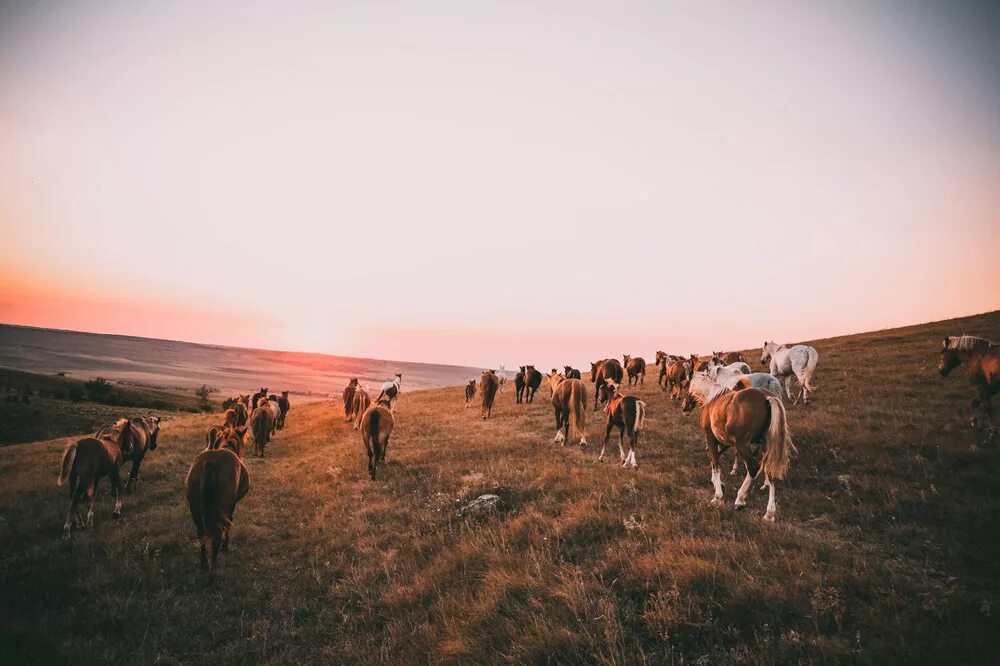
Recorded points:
(723,373)
(390,391)
(800,361)
(502,376)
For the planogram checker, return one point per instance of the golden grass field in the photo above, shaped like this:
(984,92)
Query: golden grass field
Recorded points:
(886,549)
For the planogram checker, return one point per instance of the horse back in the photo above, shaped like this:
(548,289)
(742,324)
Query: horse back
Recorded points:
(738,416)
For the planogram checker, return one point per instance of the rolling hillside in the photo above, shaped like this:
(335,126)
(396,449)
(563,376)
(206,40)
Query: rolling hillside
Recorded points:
(886,547)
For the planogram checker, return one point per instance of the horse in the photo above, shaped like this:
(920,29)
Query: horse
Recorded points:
(800,360)
(228,421)
(677,373)
(532,380)
(636,369)
(470,393)
(727,358)
(737,381)
(390,391)
(217,480)
(138,436)
(699,363)
(502,376)
(218,435)
(490,385)
(349,398)
(272,404)
(84,463)
(601,372)
(981,359)
(627,413)
(240,409)
(376,426)
(262,425)
(742,419)
(283,407)
(262,393)
(519,385)
(659,357)
(571,373)
(361,402)
(569,400)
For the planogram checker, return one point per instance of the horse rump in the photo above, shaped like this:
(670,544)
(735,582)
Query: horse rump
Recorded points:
(68,460)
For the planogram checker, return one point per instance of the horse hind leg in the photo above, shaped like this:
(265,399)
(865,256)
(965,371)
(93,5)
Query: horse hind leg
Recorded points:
(116,490)
(713,458)
(772,504)
(92,494)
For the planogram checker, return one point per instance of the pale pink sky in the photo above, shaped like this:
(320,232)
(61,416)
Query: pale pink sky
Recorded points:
(480,183)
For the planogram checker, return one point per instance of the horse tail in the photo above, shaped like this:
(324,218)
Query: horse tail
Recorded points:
(373,434)
(778,444)
(807,372)
(125,438)
(215,519)
(630,415)
(68,459)
(640,415)
(578,410)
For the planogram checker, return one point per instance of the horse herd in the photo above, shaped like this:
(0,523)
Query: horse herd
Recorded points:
(740,409)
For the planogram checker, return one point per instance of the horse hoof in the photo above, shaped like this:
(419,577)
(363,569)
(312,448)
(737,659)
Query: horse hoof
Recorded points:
(739,505)
(769,517)
(716,501)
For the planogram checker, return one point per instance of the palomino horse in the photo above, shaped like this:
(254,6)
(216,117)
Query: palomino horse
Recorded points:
(349,399)
(137,437)
(601,372)
(390,391)
(627,413)
(569,399)
(981,359)
(470,393)
(677,373)
(532,380)
(519,385)
(800,361)
(217,481)
(571,373)
(376,426)
(490,386)
(360,403)
(635,368)
(262,425)
(84,464)
(742,419)
(283,407)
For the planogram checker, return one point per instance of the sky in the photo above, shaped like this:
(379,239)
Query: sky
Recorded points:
(497,182)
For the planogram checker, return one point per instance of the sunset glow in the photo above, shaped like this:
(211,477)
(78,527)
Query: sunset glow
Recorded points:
(486,183)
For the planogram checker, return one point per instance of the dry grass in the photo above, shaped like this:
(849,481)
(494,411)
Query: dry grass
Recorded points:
(886,548)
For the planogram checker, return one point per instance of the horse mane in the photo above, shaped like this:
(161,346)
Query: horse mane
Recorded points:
(714,391)
(969,343)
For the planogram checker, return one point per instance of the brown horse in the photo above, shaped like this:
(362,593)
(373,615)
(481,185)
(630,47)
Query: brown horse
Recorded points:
(532,380)
(228,421)
(137,437)
(84,464)
(283,407)
(602,371)
(571,373)
(262,425)
(490,384)
(627,413)
(519,385)
(241,410)
(677,374)
(258,396)
(981,359)
(376,426)
(699,363)
(362,401)
(217,481)
(753,422)
(352,386)
(470,393)
(569,399)
(635,368)
(725,358)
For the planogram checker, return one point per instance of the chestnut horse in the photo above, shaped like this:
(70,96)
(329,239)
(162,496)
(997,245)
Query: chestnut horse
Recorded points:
(470,393)
(137,437)
(981,359)
(228,421)
(532,380)
(217,481)
(601,372)
(635,368)
(569,399)
(241,409)
(376,426)
(490,386)
(84,464)
(677,374)
(627,413)
(352,386)
(750,420)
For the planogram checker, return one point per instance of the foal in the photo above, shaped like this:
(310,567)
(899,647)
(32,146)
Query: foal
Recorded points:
(627,413)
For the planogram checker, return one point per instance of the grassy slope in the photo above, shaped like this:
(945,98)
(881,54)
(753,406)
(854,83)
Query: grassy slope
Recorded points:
(886,546)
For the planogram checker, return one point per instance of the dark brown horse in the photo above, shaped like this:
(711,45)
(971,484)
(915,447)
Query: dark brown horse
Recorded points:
(569,400)
(352,386)
(217,481)
(532,380)
(258,396)
(470,393)
(283,407)
(627,413)
(753,422)
(571,373)
(519,385)
(376,426)
(981,360)
(262,425)
(601,371)
(490,384)
(635,368)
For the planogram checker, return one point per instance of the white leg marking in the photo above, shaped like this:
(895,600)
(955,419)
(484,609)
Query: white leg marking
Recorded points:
(560,438)
(717,482)
(772,505)
(741,496)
